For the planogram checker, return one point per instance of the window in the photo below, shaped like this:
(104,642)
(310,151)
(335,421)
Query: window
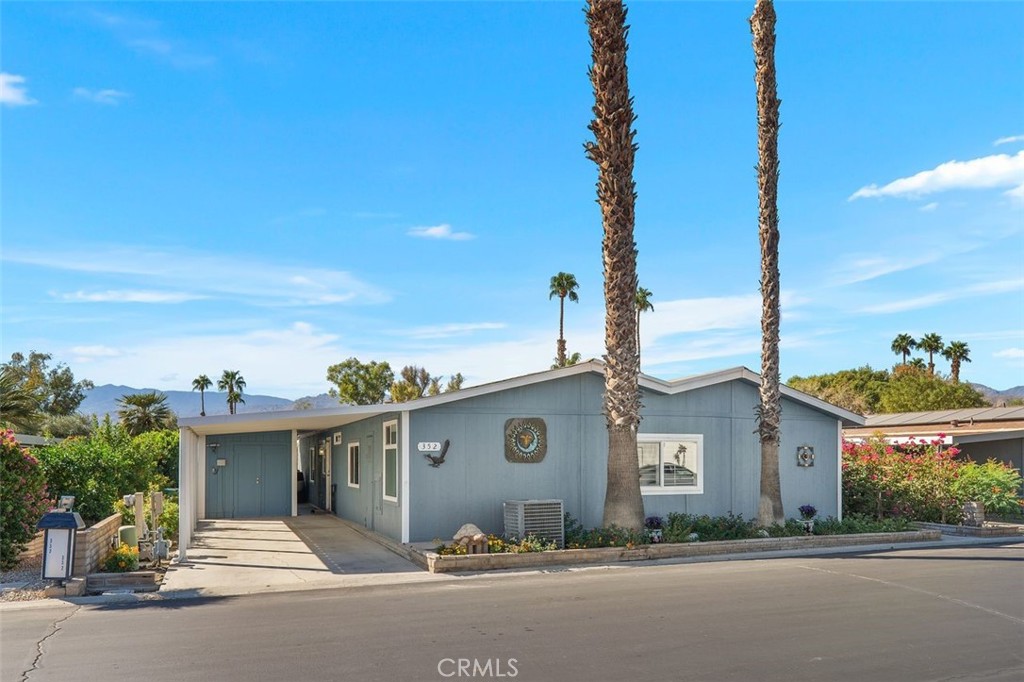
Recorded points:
(391,461)
(353,465)
(670,464)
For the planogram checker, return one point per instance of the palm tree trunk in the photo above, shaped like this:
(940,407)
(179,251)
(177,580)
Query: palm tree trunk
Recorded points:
(202,403)
(560,347)
(954,369)
(613,151)
(762,26)
(638,365)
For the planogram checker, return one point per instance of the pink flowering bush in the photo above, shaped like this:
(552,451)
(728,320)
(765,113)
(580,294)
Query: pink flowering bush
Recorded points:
(915,480)
(23,498)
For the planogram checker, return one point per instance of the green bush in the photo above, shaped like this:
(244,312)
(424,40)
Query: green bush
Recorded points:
(161,447)
(168,518)
(993,483)
(23,498)
(859,524)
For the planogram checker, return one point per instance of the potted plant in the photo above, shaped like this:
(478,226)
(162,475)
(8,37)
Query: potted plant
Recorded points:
(807,514)
(654,525)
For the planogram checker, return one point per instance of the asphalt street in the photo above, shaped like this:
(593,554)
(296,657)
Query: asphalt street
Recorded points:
(928,614)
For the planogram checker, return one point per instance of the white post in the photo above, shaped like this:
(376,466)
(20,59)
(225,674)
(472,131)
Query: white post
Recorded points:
(295,468)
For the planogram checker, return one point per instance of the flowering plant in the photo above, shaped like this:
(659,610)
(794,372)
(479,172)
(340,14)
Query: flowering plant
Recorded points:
(123,560)
(808,512)
(653,523)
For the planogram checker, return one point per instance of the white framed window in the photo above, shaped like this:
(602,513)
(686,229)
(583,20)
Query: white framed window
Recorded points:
(353,465)
(671,463)
(390,479)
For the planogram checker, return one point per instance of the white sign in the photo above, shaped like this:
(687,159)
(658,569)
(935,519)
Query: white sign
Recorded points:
(57,554)
(428,447)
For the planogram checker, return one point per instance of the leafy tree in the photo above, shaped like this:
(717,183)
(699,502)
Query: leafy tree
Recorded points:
(912,390)
(858,390)
(19,406)
(902,345)
(202,383)
(24,499)
(53,390)
(769,412)
(455,382)
(613,151)
(643,305)
(417,382)
(563,285)
(931,344)
(160,448)
(232,382)
(141,412)
(956,352)
(358,383)
(66,425)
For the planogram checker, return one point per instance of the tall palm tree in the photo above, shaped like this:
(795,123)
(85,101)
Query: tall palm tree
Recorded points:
(201,383)
(643,305)
(902,345)
(563,285)
(769,412)
(19,404)
(956,352)
(916,363)
(931,344)
(613,151)
(142,412)
(232,382)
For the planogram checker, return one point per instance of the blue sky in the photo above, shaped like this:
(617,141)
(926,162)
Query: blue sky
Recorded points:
(276,187)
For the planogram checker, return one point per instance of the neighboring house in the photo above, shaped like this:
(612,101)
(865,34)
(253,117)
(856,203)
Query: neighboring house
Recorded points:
(539,436)
(980,433)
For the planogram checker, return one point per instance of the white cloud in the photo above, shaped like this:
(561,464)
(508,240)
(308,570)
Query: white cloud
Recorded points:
(929,300)
(1011,353)
(443,231)
(444,331)
(104,96)
(211,275)
(145,36)
(930,207)
(1008,140)
(91,353)
(127,296)
(988,172)
(861,268)
(13,92)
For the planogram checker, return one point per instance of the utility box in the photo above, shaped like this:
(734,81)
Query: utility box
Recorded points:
(543,519)
(59,529)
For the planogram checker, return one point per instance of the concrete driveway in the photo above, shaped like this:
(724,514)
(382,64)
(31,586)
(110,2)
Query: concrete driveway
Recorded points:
(310,551)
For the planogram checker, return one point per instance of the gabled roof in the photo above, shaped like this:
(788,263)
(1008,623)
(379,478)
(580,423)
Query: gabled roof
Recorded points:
(315,420)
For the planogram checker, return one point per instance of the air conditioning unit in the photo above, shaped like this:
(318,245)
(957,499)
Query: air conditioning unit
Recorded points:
(540,518)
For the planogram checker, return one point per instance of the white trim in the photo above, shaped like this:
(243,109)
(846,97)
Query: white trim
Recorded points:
(384,460)
(328,477)
(674,490)
(339,438)
(404,471)
(839,476)
(353,444)
(295,468)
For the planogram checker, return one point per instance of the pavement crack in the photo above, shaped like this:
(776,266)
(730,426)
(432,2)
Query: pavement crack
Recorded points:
(952,600)
(54,629)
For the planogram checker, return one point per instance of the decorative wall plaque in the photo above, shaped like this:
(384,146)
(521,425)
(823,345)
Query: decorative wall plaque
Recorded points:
(526,440)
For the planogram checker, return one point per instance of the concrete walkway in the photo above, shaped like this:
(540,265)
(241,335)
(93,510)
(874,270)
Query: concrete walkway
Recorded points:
(317,551)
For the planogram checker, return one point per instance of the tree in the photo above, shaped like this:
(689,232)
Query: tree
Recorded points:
(417,382)
(232,382)
(917,363)
(142,412)
(956,352)
(357,383)
(570,360)
(201,383)
(914,390)
(55,390)
(931,344)
(643,305)
(858,390)
(769,412)
(19,406)
(66,425)
(613,151)
(902,345)
(563,285)
(455,382)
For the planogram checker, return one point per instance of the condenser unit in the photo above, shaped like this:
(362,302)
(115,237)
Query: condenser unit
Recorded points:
(540,518)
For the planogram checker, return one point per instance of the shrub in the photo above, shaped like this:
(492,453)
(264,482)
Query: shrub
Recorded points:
(23,499)
(123,559)
(859,524)
(731,527)
(497,545)
(993,483)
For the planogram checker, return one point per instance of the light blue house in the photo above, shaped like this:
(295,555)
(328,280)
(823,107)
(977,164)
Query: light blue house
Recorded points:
(417,471)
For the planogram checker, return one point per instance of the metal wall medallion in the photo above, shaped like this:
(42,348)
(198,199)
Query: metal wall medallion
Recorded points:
(805,456)
(526,440)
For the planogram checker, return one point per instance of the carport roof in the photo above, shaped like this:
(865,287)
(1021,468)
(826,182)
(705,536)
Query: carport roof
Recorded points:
(319,420)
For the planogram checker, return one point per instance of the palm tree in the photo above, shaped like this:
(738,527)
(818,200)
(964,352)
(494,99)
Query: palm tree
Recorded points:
(917,363)
(643,305)
(769,412)
(142,412)
(563,285)
(902,345)
(613,151)
(19,404)
(232,382)
(931,344)
(956,352)
(201,383)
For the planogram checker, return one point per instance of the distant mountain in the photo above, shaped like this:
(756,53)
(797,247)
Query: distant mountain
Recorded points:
(103,400)
(996,397)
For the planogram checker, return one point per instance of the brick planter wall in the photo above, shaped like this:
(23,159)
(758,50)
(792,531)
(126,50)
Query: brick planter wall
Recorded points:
(92,544)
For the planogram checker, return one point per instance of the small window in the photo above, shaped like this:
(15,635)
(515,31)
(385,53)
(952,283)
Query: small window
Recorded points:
(671,464)
(353,465)
(391,461)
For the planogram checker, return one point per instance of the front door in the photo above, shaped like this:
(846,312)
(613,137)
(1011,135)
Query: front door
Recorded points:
(248,463)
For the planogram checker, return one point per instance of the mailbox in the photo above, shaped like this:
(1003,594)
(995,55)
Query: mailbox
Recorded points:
(59,528)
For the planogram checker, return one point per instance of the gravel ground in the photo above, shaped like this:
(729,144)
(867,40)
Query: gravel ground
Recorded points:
(26,576)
